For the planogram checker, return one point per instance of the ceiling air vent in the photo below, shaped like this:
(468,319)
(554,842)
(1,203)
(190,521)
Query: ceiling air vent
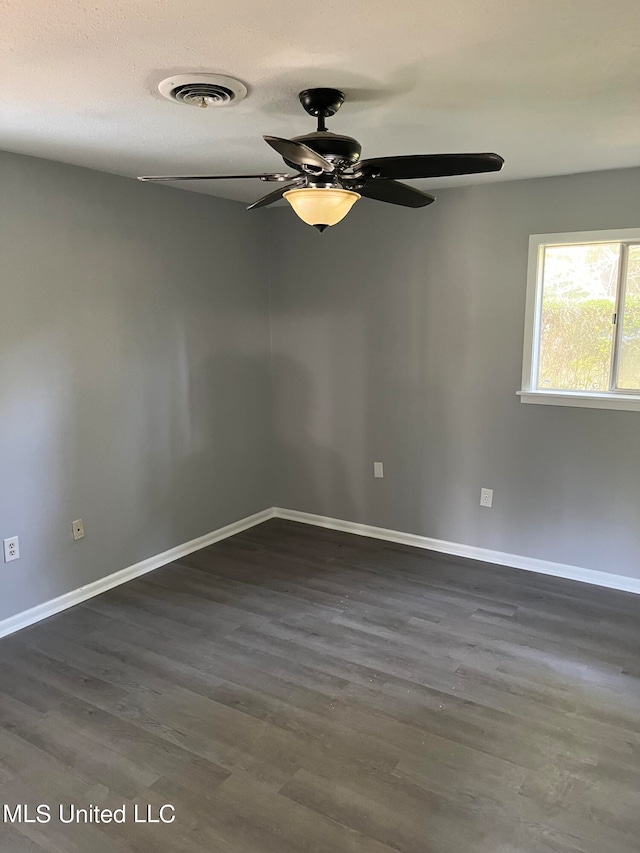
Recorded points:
(203,90)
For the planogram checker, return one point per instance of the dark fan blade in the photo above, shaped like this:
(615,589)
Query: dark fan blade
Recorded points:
(395,193)
(269,176)
(276,195)
(300,154)
(428,166)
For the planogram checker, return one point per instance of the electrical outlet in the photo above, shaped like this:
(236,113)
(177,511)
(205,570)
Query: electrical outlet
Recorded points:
(11,549)
(486,497)
(78,529)
(378,470)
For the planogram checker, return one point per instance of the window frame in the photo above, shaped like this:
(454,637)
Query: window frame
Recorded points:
(614,398)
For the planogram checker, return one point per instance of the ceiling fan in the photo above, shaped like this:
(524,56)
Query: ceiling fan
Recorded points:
(330,177)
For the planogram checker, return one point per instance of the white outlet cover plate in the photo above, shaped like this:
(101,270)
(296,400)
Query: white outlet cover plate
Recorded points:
(486,497)
(78,529)
(11,548)
(378,469)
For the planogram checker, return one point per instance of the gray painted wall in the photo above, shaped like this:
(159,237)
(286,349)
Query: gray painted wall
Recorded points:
(397,337)
(135,380)
(134,372)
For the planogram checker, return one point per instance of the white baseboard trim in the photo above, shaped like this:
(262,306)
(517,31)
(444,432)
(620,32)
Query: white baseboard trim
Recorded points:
(76,596)
(485,555)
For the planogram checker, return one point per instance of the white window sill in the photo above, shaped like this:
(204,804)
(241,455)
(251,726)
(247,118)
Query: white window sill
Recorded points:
(624,402)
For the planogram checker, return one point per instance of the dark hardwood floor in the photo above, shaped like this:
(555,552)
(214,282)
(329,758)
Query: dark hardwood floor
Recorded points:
(297,690)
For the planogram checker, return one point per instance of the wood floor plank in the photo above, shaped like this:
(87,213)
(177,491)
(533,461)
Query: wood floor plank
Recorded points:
(298,690)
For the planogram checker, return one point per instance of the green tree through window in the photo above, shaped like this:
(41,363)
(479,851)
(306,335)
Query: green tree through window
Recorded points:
(587,290)
(629,373)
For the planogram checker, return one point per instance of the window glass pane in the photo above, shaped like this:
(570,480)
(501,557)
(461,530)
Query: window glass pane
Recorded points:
(576,322)
(629,369)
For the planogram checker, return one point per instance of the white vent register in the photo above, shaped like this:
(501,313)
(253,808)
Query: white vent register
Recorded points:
(203,90)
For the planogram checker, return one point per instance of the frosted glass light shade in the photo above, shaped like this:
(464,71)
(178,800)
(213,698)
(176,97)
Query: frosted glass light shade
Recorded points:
(321,206)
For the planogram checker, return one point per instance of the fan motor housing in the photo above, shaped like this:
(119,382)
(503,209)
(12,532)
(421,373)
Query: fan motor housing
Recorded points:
(332,146)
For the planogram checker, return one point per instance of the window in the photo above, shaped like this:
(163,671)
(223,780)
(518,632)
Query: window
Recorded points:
(582,332)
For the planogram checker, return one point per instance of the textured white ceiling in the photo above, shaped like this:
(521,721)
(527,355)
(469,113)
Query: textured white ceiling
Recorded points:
(552,85)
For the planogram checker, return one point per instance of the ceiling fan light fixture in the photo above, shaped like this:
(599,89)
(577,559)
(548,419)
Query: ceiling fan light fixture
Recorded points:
(321,206)
(324,162)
